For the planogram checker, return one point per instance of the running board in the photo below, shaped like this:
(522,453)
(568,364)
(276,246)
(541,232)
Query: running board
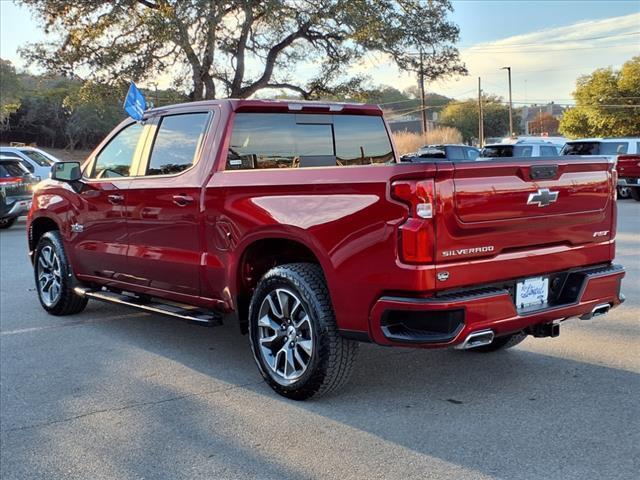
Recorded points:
(191,314)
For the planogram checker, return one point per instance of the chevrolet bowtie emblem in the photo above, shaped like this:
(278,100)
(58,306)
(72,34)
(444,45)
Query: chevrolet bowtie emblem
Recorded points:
(543,197)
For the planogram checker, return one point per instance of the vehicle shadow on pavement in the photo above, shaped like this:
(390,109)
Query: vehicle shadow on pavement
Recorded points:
(496,415)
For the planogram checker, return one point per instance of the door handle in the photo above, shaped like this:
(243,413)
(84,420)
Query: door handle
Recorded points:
(182,200)
(115,198)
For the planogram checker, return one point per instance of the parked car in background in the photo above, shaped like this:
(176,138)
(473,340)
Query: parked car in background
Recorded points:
(16,188)
(521,149)
(37,161)
(460,153)
(624,151)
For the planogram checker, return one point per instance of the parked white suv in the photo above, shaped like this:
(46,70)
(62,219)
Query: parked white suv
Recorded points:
(37,161)
(521,149)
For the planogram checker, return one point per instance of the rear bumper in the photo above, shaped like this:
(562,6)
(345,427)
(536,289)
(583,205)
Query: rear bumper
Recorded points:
(628,182)
(447,319)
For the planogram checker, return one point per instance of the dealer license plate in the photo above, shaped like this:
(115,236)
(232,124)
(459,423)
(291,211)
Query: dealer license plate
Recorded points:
(532,291)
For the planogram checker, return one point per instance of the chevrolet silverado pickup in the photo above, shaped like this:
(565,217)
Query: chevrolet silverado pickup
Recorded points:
(297,221)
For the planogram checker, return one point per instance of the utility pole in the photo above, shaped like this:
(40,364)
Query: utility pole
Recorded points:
(480,116)
(423,100)
(508,69)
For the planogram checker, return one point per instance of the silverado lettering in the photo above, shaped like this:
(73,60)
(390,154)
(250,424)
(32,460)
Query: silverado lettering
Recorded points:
(208,212)
(467,251)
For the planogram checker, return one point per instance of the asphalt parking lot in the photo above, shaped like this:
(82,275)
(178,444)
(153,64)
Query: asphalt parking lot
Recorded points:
(112,393)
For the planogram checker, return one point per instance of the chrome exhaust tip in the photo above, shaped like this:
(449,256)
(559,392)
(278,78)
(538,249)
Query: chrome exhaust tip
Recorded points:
(476,339)
(601,309)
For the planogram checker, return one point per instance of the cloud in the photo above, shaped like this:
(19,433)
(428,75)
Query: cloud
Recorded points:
(545,63)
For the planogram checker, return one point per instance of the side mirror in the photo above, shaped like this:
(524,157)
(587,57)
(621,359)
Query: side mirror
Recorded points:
(66,171)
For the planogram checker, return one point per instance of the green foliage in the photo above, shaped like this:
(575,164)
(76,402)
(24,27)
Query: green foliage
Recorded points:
(464,117)
(9,92)
(55,111)
(607,104)
(238,47)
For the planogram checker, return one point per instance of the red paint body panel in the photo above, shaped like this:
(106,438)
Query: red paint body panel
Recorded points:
(347,218)
(628,166)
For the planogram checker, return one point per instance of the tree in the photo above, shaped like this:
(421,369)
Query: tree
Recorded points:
(607,104)
(239,47)
(544,123)
(9,92)
(464,115)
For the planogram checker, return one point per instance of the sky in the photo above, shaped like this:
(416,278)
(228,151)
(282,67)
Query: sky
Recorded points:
(547,44)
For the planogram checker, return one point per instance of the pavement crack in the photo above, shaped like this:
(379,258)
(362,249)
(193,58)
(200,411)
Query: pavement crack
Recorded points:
(128,407)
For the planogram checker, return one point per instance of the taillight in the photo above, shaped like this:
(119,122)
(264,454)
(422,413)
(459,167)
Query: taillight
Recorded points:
(11,180)
(417,234)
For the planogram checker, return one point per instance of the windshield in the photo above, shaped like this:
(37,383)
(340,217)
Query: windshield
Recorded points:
(37,157)
(595,148)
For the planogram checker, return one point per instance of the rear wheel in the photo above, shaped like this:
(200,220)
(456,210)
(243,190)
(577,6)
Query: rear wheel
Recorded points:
(501,343)
(7,222)
(294,335)
(54,278)
(635,193)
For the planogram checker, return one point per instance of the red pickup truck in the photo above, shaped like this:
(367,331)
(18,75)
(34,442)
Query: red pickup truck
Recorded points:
(297,218)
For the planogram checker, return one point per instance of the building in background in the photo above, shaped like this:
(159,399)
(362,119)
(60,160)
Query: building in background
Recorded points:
(541,120)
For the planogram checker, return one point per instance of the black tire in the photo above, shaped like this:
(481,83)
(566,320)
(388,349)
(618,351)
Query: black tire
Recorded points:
(7,222)
(501,343)
(635,193)
(66,302)
(331,360)
(624,192)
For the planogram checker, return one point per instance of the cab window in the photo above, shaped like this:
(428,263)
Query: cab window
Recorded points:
(116,158)
(177,143)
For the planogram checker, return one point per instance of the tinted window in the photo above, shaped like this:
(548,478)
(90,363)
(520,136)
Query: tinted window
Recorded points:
(116,158)
(613,148)
(455,153)
(12,169)
(432,152)
(177,142)
(472,153)
(267,140)
(37,157)
(361,140)
(595,148)
(497,151)
(546,151)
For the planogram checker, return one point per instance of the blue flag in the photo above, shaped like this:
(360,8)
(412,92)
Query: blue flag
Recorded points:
(134,103)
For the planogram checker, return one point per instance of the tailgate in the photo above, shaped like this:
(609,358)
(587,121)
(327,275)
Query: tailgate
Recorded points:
(516,209)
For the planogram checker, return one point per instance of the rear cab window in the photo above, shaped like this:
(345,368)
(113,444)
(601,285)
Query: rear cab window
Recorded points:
(291,140)
(12,169)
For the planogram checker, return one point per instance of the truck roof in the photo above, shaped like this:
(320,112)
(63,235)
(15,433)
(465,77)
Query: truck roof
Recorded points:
(281,106)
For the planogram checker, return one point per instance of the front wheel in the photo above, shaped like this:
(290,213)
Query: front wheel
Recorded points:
(294,336)
(54,278)
(7,222)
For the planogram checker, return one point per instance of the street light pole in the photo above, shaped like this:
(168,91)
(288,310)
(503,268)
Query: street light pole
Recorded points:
(508,69)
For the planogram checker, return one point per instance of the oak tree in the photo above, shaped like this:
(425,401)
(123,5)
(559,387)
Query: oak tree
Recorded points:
(235,48)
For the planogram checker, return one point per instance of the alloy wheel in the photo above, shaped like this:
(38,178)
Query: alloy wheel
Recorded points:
(49,276)
(285,335)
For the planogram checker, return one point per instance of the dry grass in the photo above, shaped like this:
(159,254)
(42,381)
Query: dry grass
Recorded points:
(407,142)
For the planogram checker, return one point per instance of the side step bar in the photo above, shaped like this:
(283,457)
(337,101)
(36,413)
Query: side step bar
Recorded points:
(191,314)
